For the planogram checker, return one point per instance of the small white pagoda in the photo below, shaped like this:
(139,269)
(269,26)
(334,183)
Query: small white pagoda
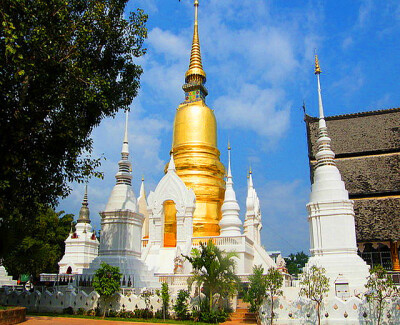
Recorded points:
(81,246)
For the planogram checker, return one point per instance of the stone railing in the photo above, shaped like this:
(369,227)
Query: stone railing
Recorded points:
(220,240)
(179,280)
(54,277)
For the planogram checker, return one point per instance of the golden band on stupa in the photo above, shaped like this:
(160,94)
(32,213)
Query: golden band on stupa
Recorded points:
(194,146)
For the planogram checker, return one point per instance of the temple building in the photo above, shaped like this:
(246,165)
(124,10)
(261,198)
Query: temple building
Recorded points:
(146,236)
(367,148)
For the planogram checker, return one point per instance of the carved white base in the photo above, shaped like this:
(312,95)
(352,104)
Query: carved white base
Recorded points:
(130,267)
(351,266)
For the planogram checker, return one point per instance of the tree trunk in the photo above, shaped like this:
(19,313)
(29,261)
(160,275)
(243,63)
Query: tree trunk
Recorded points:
(105,306)
(163,311)
(379,312)
(211,299)
(318,313)
(272,310)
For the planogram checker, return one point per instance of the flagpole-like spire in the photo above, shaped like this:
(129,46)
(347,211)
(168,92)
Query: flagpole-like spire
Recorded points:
(229,176)
(195,76)
(125,145)
(195,72)
(325,155)
(317,73)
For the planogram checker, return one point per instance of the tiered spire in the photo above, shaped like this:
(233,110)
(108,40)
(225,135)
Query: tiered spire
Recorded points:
(325,155)
(84,211)
(142,190)
(195,76)
(124,175)
(230,224)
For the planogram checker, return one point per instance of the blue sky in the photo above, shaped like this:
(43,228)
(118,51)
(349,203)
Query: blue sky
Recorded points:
(258,56)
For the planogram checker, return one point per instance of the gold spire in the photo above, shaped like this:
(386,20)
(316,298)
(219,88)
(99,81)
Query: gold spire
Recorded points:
(229,145)
(317,67)
(195,73)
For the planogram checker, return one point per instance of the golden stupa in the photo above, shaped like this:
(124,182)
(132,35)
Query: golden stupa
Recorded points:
(194,148)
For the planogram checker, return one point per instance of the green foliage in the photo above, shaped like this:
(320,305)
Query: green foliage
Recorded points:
(106,282)
(38,248)
(214,270)
(214,316)
(274,283)
(64,66)
(181,306)
(164,295)
(256,291)
(381,289)
(314,285)
(296,262)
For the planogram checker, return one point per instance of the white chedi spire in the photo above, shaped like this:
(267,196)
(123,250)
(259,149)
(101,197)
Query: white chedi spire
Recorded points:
(143,209)
(331,214)
(252,221)
(230,224)
(84,212)
(122,196)
(328,182)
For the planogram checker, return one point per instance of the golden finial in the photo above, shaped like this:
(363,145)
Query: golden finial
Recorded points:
(142,178)
(195,66)
(250,171)
(317,67)
(229,145)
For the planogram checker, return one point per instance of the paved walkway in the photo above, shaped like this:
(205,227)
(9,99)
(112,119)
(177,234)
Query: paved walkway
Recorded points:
(47,320)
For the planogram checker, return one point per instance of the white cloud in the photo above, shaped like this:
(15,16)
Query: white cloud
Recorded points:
(364,13)
(347,42)
(263,111)
(351,82)
(172,46)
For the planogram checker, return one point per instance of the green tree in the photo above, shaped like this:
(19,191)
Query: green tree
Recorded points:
(42,244)
(214,270)
(256,291)
(64,66)
(106,282)
(296,262)
(274,282)
(165,296)
(181,306)
(314,285)
(381,288)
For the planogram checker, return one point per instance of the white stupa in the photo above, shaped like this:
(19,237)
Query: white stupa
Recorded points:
(331,215)
(230,224)
(121,229)
(81,246)
(5,279)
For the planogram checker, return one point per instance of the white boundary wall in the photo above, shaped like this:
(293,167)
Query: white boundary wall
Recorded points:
(333,312)
(58,300)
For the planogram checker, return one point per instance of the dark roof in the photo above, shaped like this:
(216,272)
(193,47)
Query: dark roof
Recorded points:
(352,134)
(377,219)
(370,174)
